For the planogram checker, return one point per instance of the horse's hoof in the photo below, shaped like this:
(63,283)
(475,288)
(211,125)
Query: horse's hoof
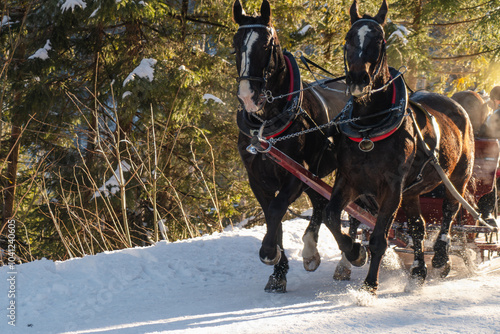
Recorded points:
(441,258)
(342,273)
(362,257)
(312,263)
(268,261)
(275,285)
(419,271)
(445,270)
(371,288)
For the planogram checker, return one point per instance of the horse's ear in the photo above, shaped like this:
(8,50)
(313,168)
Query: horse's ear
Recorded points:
(238,12)
(265,12)
(354,12)
(382,13)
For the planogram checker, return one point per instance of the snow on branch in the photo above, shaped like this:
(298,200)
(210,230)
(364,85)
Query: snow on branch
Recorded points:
(207,97)
(71,4)
(144,70)
(42,53)
(112,186)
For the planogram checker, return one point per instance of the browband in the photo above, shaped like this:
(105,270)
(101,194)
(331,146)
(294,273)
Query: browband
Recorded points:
(250,26)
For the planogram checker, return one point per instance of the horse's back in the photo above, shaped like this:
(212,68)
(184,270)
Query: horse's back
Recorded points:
(455,133)
(444,106)
(333,97)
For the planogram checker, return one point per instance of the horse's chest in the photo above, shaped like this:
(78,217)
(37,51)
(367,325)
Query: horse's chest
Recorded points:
(389,160)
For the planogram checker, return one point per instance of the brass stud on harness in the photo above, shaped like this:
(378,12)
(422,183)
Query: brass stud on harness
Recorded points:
(366,145)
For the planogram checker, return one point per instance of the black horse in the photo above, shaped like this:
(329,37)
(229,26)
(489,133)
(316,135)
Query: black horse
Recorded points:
(389,149)
(265,70)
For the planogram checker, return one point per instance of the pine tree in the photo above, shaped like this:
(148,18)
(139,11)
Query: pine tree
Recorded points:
(118,116)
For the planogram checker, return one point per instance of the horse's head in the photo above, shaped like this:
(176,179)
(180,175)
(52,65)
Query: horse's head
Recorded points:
(365,58)
(254,45)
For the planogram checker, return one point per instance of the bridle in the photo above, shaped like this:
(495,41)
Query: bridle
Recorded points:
(267,73)
(378,63)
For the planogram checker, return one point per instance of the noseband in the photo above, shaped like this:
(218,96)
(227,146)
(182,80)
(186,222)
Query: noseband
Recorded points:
(266,72)
(379,60)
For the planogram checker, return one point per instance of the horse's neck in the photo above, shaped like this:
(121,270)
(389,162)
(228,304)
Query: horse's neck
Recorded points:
(278,84)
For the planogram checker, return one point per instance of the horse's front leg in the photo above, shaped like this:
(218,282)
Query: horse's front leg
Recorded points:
(441,257)
(277,280)
(389,204)
(271,251)
(343,268)
(342,195)
(310,255)
(416,225)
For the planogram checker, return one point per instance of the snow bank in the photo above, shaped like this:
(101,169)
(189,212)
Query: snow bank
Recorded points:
(215,284)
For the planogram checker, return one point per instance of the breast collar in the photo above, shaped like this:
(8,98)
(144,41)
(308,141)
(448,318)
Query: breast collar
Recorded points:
(366,135)
(250,126)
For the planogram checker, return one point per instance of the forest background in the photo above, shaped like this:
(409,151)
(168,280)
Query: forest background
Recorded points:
(117,123)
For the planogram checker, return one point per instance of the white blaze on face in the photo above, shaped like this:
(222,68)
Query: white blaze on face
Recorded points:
(245,92)
(362,35)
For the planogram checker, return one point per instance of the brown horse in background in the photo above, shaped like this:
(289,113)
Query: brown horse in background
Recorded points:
(477,109)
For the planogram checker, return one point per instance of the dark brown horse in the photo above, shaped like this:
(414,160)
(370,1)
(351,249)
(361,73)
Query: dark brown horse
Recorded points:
(476,108)
(483,124)
(380,154)
(265,70)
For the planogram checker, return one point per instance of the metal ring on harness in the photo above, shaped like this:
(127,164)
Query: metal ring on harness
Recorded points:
(261,139)
(366,145)
(269,147)
(269,96)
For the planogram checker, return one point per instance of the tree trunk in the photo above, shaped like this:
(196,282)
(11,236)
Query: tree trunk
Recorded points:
(184,11)
(11,176)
